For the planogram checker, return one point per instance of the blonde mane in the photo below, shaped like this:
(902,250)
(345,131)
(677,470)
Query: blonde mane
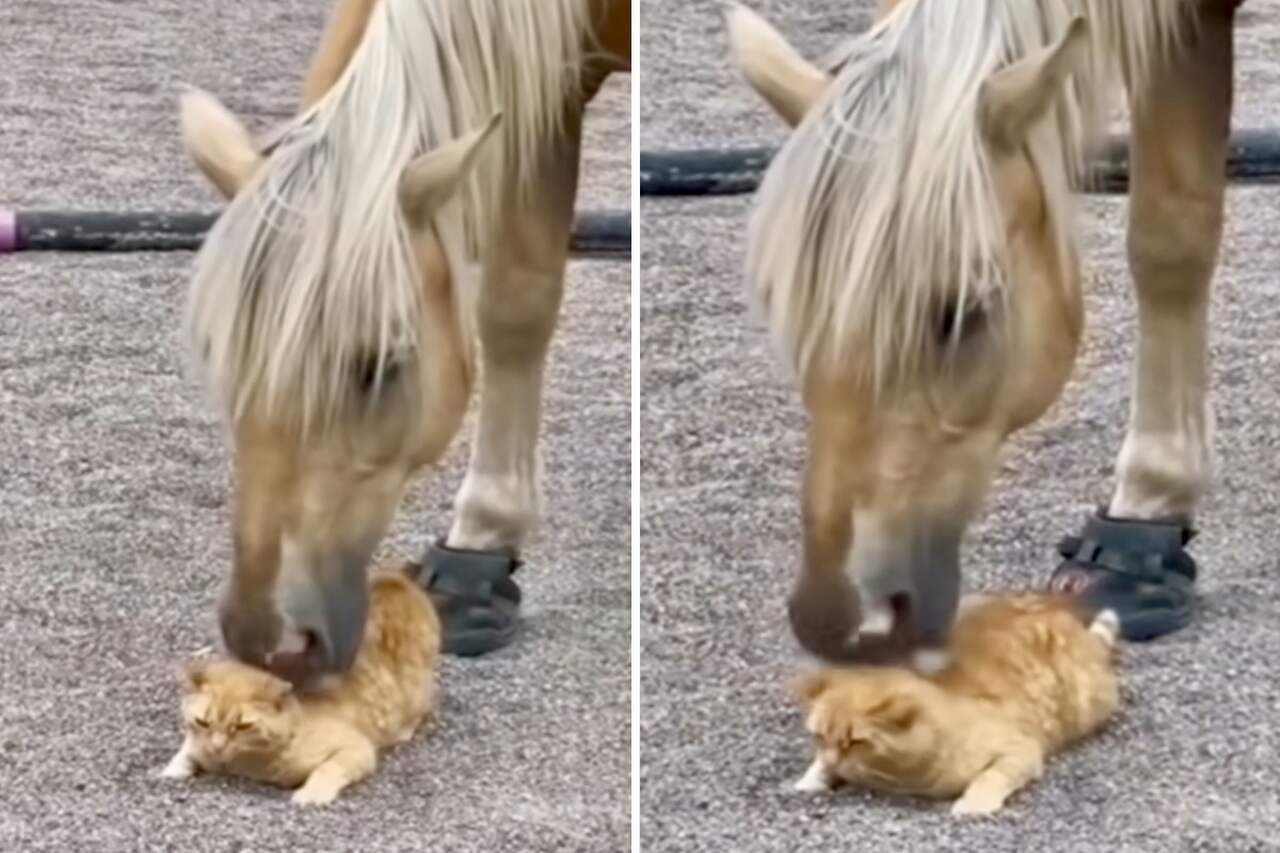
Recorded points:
(877,221)
(310,272)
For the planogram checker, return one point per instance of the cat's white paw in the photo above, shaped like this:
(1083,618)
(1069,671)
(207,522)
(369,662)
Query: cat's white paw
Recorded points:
(179,767)
(314,795)
(975,804)
(805,785)
(814,780)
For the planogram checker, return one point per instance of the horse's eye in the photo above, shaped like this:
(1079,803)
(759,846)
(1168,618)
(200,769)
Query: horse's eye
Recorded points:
(960,323)
(374,372)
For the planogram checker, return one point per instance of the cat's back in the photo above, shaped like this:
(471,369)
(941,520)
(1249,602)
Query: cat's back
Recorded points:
(403,626)
(392,685)
(1035,660)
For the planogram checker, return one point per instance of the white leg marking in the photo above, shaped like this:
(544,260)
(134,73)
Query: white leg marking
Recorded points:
(1164,474)
(1166,461)
(499,501)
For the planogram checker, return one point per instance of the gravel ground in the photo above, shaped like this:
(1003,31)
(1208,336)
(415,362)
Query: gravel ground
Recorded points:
(114,477)
(1191,765)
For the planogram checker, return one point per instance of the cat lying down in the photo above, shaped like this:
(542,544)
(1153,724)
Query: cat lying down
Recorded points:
(1026,678)
(244,721)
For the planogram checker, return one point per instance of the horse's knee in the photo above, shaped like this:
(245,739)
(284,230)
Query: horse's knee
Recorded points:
(517,314)
(1173,243)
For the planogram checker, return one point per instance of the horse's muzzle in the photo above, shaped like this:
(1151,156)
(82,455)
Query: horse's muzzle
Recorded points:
(313,622)
(902,599)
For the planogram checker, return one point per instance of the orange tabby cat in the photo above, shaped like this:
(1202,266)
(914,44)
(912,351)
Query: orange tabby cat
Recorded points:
(244,721)
(1026,678)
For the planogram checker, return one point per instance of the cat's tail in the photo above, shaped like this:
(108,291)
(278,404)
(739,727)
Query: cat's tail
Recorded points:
(1107,626)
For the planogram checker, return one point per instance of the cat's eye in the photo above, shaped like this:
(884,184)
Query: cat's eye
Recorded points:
(201,723)
(243,726)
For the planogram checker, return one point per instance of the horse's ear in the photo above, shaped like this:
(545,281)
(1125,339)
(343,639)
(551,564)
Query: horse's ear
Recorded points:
(787,82)
(1015,98)
(430,180)
(218,142)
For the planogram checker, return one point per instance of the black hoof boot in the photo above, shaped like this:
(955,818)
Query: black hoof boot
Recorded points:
(1137,568)
(475,596)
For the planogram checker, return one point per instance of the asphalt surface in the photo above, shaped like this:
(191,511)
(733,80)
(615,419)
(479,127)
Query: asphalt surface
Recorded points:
(1190,765)
(114,535)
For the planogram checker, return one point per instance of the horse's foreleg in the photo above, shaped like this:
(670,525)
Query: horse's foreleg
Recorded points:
(498,503)
(341,37)
(516,318)
(1132,559)
(1181,129)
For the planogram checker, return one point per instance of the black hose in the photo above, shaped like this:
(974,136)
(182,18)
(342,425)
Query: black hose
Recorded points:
(605,235)
(1254,158)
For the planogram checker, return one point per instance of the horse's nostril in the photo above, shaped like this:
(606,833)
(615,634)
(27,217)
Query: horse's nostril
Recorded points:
(313,648)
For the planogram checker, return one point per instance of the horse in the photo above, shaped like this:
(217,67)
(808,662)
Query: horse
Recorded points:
(405,232)
(913,252)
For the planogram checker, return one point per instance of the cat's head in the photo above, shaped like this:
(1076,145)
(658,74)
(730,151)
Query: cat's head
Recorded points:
(232,710)
(872,725)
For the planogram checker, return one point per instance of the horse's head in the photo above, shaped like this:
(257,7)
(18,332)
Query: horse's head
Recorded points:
(324,318)
(912,253)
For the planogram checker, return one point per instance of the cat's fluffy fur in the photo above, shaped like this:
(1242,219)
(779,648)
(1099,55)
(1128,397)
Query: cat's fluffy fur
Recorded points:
(1026,677)
(244,721)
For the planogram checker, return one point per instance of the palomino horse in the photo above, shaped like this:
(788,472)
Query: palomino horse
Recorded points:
(914,253)
(421,204)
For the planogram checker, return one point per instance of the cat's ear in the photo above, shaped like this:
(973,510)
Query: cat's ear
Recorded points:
(194,675)
(810,686)
(898,711)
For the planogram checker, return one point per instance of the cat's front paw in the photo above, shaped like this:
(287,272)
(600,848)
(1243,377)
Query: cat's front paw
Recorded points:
(805,785)
(179,767)
(977,803)
(314,795)
(815,780)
